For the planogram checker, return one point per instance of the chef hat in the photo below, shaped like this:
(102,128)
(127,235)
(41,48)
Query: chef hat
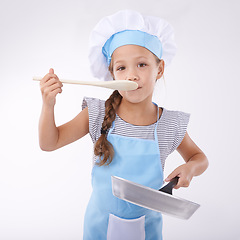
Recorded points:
(129,27)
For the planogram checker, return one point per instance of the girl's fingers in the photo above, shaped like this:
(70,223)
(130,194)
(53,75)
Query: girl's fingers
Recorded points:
(52,81)
(50,86)
(185,176)
(55,86)
(183,181)
(51,71)
(172,175)
(48,76)
(54,92)
(48,89)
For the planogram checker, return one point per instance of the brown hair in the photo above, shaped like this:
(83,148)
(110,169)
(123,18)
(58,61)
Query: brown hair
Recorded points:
(103,148)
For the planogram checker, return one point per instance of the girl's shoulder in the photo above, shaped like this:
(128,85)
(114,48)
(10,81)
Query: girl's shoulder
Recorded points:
(173,116)
(93,103)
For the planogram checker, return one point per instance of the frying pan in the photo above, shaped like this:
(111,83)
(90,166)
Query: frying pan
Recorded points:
(160,200)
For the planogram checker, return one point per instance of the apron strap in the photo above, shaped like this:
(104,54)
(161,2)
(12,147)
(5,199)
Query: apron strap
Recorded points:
(156,124)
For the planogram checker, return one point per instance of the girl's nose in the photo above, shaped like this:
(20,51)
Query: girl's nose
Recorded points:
(132,76)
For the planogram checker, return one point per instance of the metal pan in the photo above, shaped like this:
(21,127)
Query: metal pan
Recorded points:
(160,200)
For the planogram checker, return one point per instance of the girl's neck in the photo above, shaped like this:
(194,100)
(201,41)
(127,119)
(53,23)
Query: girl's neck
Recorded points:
(144,113)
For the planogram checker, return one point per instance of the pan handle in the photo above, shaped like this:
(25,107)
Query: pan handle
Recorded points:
(169,187)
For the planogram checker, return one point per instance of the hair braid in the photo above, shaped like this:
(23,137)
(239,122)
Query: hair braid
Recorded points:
(103,148)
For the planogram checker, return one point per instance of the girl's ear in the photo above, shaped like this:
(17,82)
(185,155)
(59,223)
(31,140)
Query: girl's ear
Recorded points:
(160,69)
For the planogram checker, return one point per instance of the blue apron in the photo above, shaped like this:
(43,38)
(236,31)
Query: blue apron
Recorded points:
(110,218)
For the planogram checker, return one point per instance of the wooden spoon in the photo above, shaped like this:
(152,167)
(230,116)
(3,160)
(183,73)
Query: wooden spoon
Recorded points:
(122,85)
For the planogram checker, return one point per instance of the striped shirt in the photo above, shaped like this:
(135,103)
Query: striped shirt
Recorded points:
(171,127)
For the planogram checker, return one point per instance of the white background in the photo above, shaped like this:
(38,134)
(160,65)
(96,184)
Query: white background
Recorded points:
(43,195)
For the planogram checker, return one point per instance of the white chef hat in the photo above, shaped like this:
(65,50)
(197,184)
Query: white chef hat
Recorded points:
(128,27)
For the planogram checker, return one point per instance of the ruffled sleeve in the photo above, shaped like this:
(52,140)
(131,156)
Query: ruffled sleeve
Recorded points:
(96,112)
(171,130)
(182,120)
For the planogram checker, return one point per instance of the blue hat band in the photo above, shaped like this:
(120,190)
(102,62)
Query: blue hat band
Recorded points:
(132,37)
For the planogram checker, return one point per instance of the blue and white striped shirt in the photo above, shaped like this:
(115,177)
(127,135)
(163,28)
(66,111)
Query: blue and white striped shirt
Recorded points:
(171,128)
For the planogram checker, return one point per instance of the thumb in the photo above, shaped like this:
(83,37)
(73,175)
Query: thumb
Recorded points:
(172,175)
(51,71)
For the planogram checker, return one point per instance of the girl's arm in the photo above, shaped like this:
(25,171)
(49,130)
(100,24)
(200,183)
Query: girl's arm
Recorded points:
(196,162)
(52,137)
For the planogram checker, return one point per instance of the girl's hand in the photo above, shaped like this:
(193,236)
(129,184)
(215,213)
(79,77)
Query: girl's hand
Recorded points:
(50,86)
(184,172)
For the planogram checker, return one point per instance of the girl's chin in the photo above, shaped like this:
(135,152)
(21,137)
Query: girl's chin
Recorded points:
(132,98)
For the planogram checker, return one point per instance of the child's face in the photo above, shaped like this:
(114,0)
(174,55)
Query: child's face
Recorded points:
(135,63)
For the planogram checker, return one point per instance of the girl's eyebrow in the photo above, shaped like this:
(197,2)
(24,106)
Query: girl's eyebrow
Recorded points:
(119,61)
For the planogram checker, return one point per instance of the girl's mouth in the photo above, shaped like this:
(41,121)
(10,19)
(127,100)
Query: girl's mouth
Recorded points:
(136,89)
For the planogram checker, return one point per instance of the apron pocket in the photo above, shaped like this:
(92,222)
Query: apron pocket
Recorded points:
(127,229)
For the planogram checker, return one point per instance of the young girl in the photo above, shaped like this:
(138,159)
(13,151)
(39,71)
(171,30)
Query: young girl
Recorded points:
(132,135)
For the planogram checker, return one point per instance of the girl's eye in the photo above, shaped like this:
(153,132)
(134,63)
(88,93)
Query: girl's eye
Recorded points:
(141,65)
(120,68)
